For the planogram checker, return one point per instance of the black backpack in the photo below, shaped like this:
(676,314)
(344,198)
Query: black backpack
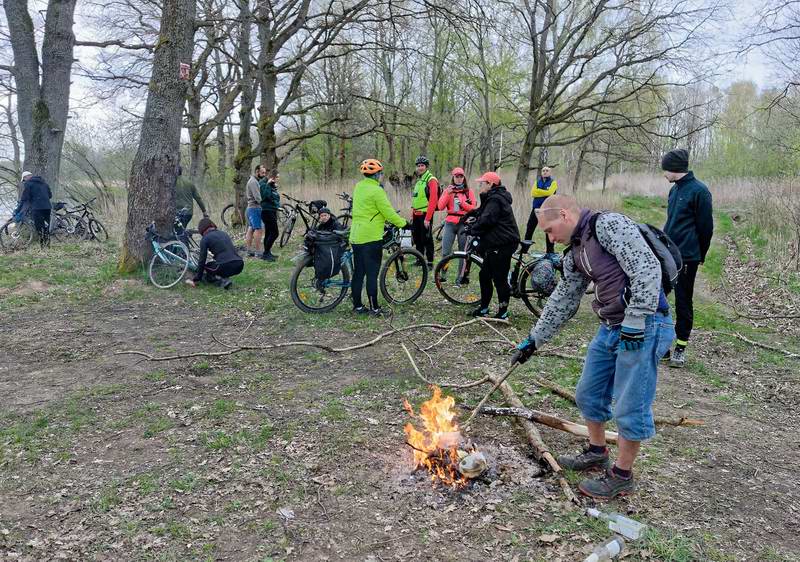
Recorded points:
(327,248)
(665,250)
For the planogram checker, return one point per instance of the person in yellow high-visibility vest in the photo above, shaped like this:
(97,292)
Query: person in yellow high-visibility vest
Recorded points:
(423,205)
(544,187)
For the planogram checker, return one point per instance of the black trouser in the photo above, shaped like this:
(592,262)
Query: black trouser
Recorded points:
(496,265)
(422,237)
(185,218)
(214,271)
(684,309)
(533,222)
(270,219)
(41,221)
(366,262)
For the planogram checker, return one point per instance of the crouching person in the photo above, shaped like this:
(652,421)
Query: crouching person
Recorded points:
(225,263)
(635,332)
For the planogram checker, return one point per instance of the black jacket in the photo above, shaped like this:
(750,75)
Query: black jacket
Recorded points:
(496,225)
(690,223)
(221,247)
(35,196)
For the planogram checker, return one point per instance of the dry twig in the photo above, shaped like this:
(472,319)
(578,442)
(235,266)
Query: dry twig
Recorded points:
(762,345)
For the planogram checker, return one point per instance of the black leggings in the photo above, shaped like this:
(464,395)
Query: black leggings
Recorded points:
(496,265)
(270,220)
(41,221)
(533,222)
(367,262)
(213,270)
(422,237)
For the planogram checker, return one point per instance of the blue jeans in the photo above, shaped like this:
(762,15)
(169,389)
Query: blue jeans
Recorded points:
(254,218)
(626,378)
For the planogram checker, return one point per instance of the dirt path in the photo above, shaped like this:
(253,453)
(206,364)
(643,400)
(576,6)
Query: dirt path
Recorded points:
(299,455)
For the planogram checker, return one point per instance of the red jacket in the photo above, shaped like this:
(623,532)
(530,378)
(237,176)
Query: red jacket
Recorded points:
(466,203)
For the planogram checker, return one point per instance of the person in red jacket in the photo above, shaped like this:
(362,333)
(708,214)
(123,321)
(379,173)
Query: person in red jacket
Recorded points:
(457,199)
(423,205)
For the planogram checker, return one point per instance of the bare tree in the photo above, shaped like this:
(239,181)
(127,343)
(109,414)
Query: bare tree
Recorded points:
(42,87)
(151,194)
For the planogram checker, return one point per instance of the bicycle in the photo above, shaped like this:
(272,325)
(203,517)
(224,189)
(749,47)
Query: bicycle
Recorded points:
(466,265)
(345,215)
(298,209)
(17,235)
(402,278)
(171,259)
(79,221)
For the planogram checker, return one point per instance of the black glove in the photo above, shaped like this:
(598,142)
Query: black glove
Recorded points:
(524,350)
(631,339)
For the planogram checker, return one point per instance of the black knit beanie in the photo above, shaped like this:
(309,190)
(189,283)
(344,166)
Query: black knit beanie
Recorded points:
(676,161)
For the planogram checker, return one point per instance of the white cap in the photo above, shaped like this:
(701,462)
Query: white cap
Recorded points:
(25,175)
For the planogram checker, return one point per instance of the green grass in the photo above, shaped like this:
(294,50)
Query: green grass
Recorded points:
(156,426)
(221,408)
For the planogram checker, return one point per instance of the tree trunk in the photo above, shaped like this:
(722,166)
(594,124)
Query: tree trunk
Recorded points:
(13,138)
(606,166)
(42,106)
(221,152)
(243,160)
(151,196)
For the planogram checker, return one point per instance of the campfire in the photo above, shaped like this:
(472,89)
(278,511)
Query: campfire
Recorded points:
(438,446)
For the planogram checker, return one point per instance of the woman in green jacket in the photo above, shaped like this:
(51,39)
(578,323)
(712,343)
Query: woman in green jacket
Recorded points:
(371,210)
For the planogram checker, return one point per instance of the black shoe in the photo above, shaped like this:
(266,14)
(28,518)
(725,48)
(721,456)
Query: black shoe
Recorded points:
(480,312)
(502,313)
(251,254)
(268,257)
(361,309)
(608,486)
(377,312)
(226,284)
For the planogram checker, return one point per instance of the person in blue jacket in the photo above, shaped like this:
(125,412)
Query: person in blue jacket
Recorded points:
(35,199)
(690,224)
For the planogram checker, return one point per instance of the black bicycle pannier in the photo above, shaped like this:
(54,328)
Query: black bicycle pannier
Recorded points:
(328,250)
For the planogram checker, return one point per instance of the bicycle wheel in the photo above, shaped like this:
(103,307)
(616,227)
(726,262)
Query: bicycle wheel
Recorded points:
(82,231)
(456,277)
(533,299)
(403,276)
(227,214)
(438,232)
(169,264)
(344,219)
(285,213)
(287,232)
(62,228)
(313,296)
(97,231)
(17,235)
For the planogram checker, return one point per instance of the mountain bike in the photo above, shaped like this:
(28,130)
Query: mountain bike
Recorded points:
(402,277)
(345,215)
(306,210)
(171,260)
(456,276)
(78,222)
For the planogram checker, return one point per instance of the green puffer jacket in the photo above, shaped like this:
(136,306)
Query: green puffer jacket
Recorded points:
(270,198)
(371,209)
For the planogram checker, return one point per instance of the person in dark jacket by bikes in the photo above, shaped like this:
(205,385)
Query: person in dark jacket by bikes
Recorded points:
(497,230)
(35,199)
(270,203)
(226,261)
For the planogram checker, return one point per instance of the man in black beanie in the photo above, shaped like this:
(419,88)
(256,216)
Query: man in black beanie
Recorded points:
(690,224)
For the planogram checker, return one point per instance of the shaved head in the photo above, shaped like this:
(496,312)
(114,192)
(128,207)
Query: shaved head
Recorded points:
(561,202)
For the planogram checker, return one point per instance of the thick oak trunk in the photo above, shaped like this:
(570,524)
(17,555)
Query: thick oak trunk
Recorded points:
(42,90)
(151,193)
(242,162)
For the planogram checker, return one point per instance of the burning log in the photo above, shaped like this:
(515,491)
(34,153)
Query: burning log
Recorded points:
(545,419)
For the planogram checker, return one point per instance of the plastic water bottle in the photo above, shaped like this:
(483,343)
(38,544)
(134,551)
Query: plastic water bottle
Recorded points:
(620,524)
(606,551)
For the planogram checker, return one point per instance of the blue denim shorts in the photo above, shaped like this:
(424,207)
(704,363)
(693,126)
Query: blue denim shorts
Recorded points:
(254,219)
(625,378)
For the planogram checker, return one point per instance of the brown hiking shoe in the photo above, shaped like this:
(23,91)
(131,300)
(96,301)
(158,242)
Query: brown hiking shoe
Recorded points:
(585,460)
(607,487)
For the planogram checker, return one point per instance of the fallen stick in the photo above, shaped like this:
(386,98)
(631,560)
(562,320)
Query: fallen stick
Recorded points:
(761,345)
(545,419)
(441,384)
(488,394)
(569,395)
(231,350)
(541,450)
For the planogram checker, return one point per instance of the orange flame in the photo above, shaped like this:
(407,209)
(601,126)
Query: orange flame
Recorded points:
(436,446)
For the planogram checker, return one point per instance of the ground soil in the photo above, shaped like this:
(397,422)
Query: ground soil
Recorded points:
(298,454)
